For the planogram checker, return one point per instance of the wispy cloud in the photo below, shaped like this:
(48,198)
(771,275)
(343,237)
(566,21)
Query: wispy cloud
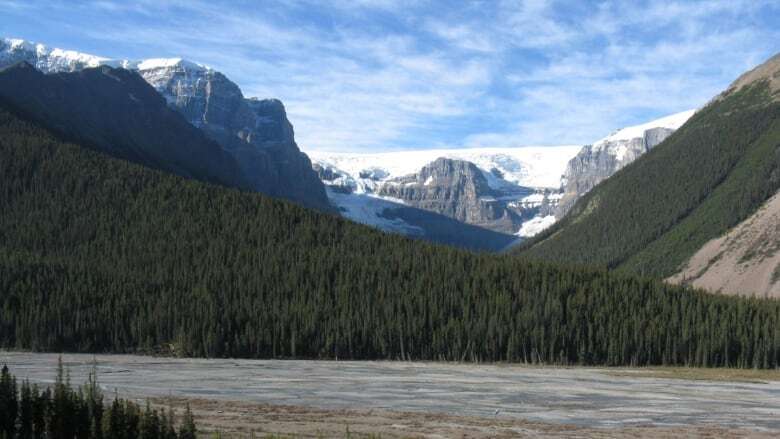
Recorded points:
(378,74)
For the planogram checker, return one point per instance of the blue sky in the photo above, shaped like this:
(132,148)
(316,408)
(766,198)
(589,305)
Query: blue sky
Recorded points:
(371,75)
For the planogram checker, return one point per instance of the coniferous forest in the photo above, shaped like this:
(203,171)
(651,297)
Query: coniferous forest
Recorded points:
(101,255)
(62,412)
(707,177)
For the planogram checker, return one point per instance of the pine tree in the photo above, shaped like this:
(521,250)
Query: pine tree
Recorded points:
(39,411)
(188,429)
(9,406)
(94,402)
(26,410)
(150,424)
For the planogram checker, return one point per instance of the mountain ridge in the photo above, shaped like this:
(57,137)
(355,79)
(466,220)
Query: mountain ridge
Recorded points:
(652,216)
(259,136)
(115,111)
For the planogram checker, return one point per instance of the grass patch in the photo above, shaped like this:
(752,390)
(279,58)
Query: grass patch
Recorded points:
(700,373)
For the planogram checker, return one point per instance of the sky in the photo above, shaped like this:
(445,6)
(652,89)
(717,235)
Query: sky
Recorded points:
(382,75)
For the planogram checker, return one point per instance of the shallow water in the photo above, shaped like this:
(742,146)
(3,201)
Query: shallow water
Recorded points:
(583,396)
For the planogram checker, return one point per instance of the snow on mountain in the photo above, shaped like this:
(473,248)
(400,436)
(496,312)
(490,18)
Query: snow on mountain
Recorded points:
(603,158)
(530,166)
(50,60)
(46,59)
(671,122)
(535,226)
(522,183)
(255,131)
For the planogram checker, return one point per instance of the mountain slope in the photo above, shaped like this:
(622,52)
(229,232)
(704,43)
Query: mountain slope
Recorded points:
(256,132)
(98,254)
(598,161)
(708,176)
(115,111)
(744,261)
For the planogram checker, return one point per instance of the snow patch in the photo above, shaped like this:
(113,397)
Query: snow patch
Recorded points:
(535,226)
(673,122)
(367,209)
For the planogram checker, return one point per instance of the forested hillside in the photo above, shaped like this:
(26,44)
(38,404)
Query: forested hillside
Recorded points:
(652,216)
(99,254)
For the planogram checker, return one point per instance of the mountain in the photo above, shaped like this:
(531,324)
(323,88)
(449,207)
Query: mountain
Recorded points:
(256,132)
(454,188)
(495,188)
(716,171)
(117,112)
(99,254)
(603,158)
(744,261)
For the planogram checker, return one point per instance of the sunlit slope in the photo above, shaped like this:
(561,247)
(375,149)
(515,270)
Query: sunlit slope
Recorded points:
(650,217)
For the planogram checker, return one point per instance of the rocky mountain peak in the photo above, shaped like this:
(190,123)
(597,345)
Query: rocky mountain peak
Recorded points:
(256,132)
(454,188)
(448,172)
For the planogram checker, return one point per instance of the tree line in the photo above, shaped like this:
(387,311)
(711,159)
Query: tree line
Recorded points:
(101,255)
(63,412)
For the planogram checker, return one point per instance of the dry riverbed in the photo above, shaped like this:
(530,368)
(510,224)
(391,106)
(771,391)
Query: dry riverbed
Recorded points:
(397,399)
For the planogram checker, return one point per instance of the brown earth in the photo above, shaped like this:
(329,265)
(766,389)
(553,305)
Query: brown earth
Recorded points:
(241,419)
(745,261)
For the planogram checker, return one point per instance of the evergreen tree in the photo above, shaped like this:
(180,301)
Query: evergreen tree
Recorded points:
(39,411)
(26,410)
(150,424)
(188,429)
(9,405)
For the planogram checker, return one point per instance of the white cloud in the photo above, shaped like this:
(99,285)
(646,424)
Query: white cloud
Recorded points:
(381,74)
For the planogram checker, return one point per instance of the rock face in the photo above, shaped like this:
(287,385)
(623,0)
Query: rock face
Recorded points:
(256,132)
(454,188)
(600,160)
(495,188)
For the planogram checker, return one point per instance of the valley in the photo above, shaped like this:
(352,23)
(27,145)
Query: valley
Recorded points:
(490,220)
(401,399)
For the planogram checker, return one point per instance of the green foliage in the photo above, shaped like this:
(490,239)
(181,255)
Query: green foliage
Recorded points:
(99,255)
(188,429)
(656,213)
(67,413)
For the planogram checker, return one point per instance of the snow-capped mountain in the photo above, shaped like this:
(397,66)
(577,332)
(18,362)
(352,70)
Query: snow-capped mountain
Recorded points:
(495,188)
(256,132)
(595,162)
(529,166)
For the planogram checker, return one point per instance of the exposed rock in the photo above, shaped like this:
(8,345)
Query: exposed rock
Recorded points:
(256,132)
(116,112)
(457,189)
(596,162)
(509,181)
